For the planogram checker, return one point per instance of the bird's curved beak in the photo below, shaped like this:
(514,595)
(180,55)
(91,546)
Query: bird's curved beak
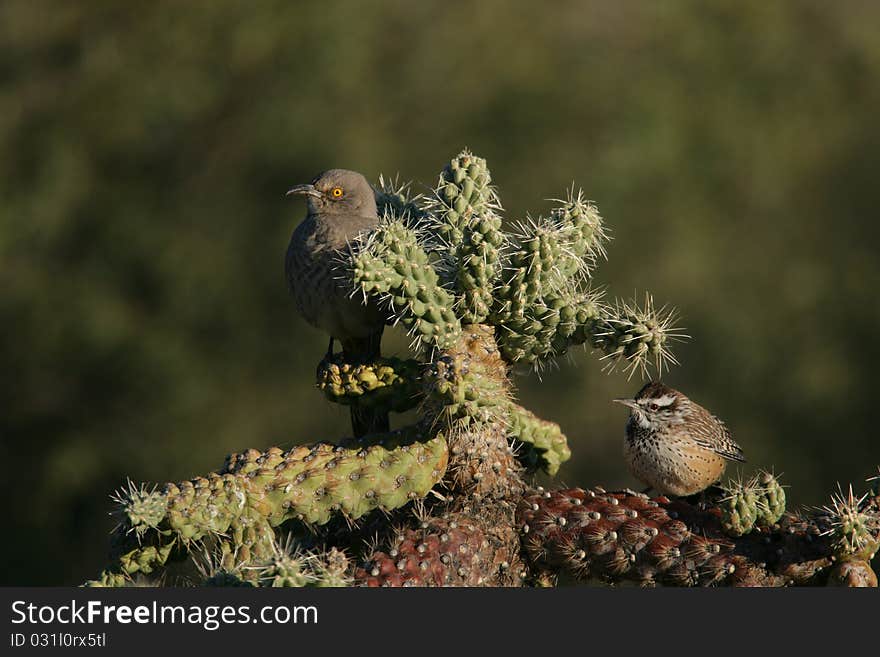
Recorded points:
(304,190)
(627,402)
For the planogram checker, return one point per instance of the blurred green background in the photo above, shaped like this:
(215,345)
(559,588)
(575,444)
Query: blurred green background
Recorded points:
(145,149)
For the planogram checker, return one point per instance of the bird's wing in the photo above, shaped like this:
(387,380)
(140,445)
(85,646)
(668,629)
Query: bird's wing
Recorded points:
(724,446)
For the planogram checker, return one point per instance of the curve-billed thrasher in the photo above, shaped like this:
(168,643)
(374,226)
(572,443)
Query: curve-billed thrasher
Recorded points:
(341,205)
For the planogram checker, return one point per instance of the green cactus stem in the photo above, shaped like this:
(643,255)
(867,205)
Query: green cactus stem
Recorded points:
(635,336)
(255,491)
(757,501)
(539,444)
(310,483)
(391,264)
(586,242)
(141,560)
(455,266)
(545,330)
(740,507)
(771,502)
(853,526)
(285,565)
(391,384)
(289,568)
(463,192)
(463,218)
(109,579)
(475,263)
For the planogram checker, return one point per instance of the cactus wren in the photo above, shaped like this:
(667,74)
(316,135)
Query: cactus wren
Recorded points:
(341,206)
(674,445)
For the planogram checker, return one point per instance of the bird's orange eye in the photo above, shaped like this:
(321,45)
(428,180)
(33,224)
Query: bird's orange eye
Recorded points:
(336,192)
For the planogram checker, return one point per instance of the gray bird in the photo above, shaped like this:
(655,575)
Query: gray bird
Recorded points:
(341,205)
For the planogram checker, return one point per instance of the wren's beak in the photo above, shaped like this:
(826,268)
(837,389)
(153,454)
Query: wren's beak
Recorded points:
(628,402)
(304,190)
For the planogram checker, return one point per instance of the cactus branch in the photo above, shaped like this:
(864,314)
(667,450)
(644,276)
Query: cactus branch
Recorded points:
(391,384)
(539,444)
(617,536)
(254,492)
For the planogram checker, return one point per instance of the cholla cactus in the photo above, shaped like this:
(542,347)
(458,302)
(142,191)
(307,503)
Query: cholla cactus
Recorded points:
(463,211)
(853,526)
(451,550)
(394,197)
(596,535)
(388,383)
(393,264)
(759,501)
(291,566)
(540,443)
(771,501)
(457,267)
(739,508)
(238,508)
(477,301)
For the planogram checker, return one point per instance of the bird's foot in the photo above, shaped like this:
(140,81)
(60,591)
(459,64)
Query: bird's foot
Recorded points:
(326,362)
(705,499)
(329,355)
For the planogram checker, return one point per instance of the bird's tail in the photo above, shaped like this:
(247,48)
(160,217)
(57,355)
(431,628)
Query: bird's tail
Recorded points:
(362,350)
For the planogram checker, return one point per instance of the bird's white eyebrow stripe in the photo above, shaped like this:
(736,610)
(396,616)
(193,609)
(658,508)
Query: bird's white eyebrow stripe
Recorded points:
(665,400)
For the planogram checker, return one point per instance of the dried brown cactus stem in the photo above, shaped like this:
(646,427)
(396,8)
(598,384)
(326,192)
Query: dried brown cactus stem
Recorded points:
(467,396)
(625,536)
(471,540)
(475,545)
(854,573)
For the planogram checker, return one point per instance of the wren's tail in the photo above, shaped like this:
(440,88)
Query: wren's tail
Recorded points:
(364,350)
